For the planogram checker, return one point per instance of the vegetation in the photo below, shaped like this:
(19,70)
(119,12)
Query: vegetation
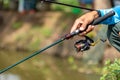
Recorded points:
(46,32)
(7,4)
(17,25)
(37,33)
(111,71)
(67,9)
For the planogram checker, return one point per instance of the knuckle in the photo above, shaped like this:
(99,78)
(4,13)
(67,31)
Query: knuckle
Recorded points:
(77,20)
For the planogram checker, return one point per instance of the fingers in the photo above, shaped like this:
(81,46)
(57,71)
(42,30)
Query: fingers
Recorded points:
(82,26)
(79,24)
(76,25)
(89,29)
(82,23)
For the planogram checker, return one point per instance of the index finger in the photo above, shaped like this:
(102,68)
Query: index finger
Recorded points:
(76,25)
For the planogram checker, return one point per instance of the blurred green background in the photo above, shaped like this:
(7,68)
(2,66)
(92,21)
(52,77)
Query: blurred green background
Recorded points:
(21,34)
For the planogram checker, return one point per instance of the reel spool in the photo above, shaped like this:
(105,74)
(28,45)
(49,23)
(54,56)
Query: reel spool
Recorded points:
(83,44)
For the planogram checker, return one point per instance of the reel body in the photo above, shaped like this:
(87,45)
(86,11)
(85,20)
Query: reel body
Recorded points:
(83,44)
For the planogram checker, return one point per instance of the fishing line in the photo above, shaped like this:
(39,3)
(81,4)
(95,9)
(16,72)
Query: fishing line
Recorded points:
(54,2)
(66,37)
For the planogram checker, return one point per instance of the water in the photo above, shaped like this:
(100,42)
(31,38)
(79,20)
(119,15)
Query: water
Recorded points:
(9,77)
(41,67)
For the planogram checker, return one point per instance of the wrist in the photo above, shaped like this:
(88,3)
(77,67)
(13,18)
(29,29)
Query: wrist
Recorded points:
(96,14)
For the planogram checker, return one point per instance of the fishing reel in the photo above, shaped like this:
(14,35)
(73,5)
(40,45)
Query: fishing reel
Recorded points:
(84,44)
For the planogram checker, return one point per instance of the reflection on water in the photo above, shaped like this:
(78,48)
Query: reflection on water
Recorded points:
(42,67)
(9,77)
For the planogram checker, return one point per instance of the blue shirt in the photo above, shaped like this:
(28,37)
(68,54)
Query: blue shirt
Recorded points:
(114,19)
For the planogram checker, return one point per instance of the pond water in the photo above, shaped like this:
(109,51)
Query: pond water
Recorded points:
(41,67)
(9,77)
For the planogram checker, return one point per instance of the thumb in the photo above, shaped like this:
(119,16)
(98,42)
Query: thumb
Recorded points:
(84,26)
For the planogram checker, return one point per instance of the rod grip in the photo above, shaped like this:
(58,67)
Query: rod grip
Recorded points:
(101,19)
(95,22)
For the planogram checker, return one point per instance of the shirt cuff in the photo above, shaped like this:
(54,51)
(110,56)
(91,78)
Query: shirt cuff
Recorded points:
(113,19)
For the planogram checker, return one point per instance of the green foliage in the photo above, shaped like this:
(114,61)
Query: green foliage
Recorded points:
(111,71)
(17,25)
(72,63)
(45,31)
(6,3)
(65,8)
(34,44)
(71,60)
(42,30)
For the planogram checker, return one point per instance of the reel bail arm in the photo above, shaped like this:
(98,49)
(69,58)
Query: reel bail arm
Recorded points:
(66,37)
(85,44)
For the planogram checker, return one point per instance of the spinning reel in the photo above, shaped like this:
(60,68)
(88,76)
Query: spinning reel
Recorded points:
(81,45)
(84,44)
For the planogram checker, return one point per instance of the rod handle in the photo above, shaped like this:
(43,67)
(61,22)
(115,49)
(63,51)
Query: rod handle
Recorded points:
(101,19)
(95,22)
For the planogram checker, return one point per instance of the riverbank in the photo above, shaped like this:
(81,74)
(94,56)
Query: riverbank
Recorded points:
(36,31)
(31,32)
(23,35)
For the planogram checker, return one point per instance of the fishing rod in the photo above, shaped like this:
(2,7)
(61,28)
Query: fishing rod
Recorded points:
(65,37)
(54,2)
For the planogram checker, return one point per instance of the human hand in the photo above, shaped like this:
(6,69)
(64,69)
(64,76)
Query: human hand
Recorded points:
(83,22)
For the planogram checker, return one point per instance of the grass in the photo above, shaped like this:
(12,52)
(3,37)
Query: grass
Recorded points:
(35,44)
(47,32)
(36,35)
(17,25)
(42,30)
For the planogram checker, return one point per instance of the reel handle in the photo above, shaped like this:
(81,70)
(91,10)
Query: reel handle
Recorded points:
(95,22)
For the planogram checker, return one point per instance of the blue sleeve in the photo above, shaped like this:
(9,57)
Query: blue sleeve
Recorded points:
(114,19)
